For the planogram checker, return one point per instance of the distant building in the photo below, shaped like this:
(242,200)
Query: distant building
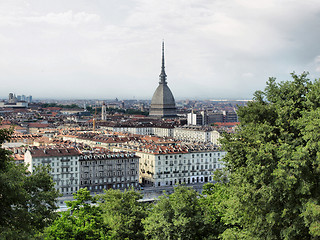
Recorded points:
(199,119)
(12,98)
(215,117)
(14,105)
(29,99)
(16,101)
(103,112)
(196,134)
(231,116)
(163,104)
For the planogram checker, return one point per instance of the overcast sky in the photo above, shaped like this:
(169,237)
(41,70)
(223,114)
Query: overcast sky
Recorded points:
(215,49)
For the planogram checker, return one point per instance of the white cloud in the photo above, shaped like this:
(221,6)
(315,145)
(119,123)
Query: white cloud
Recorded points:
(64,18)
(213,48)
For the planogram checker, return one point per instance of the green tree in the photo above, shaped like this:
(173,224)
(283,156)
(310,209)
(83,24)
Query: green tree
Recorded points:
(27,202)
(177,216)
(123,213)
(213,200)
(81,221)
(274,163)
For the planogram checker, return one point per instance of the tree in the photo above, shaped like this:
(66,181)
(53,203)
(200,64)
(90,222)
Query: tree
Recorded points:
(123,213)
(177,216)
(212,200)
(81,221)
(27,202)
(274,163)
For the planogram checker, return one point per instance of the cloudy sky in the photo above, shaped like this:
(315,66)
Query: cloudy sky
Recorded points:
(215,49)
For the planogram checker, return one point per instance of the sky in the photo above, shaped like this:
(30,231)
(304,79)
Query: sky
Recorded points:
(103,49)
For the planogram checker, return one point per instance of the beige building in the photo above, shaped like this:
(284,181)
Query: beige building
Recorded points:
(196,134)
(175,164)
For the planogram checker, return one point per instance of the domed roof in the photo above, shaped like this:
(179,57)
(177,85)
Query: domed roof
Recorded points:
(163,96)
(163,103)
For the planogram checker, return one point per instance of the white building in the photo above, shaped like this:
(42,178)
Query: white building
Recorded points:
(163,132)
(196,134)
(131,129)
(197,118)
(185,133)
(64,164)
(174,164)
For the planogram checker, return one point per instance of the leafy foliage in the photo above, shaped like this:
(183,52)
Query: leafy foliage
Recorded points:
(27,202)
(213,200)
(83,220)
(274,163)
(123,213)
(177,216)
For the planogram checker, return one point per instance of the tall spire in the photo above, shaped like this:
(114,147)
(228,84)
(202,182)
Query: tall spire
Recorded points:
(163,75)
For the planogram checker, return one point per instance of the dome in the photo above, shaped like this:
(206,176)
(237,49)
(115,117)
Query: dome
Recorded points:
(163,103)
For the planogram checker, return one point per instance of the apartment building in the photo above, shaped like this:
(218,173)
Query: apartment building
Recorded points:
(104,170)
(64,164)
(165,165)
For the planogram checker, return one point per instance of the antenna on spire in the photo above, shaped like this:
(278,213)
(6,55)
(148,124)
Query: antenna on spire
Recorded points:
(163,54)
(163,75)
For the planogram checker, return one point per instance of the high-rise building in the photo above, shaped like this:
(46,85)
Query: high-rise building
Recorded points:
(103,112)
(197,118)
(163,104)
(29,99)
(12,98)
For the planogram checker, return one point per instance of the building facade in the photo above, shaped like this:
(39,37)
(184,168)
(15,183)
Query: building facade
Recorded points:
(105,170)
(167,165)
(196,134)
(64,166)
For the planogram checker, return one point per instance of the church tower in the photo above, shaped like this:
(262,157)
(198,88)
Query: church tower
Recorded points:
(163,104)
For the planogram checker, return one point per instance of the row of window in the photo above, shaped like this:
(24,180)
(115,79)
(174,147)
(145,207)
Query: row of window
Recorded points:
(109,167)
(54,164)
(109,174)
(108,180)
(193,155)
(114,186)
(197,167)
(186,181)
(93,162)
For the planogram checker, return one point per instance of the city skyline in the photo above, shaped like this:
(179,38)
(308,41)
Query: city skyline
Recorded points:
(106,49)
